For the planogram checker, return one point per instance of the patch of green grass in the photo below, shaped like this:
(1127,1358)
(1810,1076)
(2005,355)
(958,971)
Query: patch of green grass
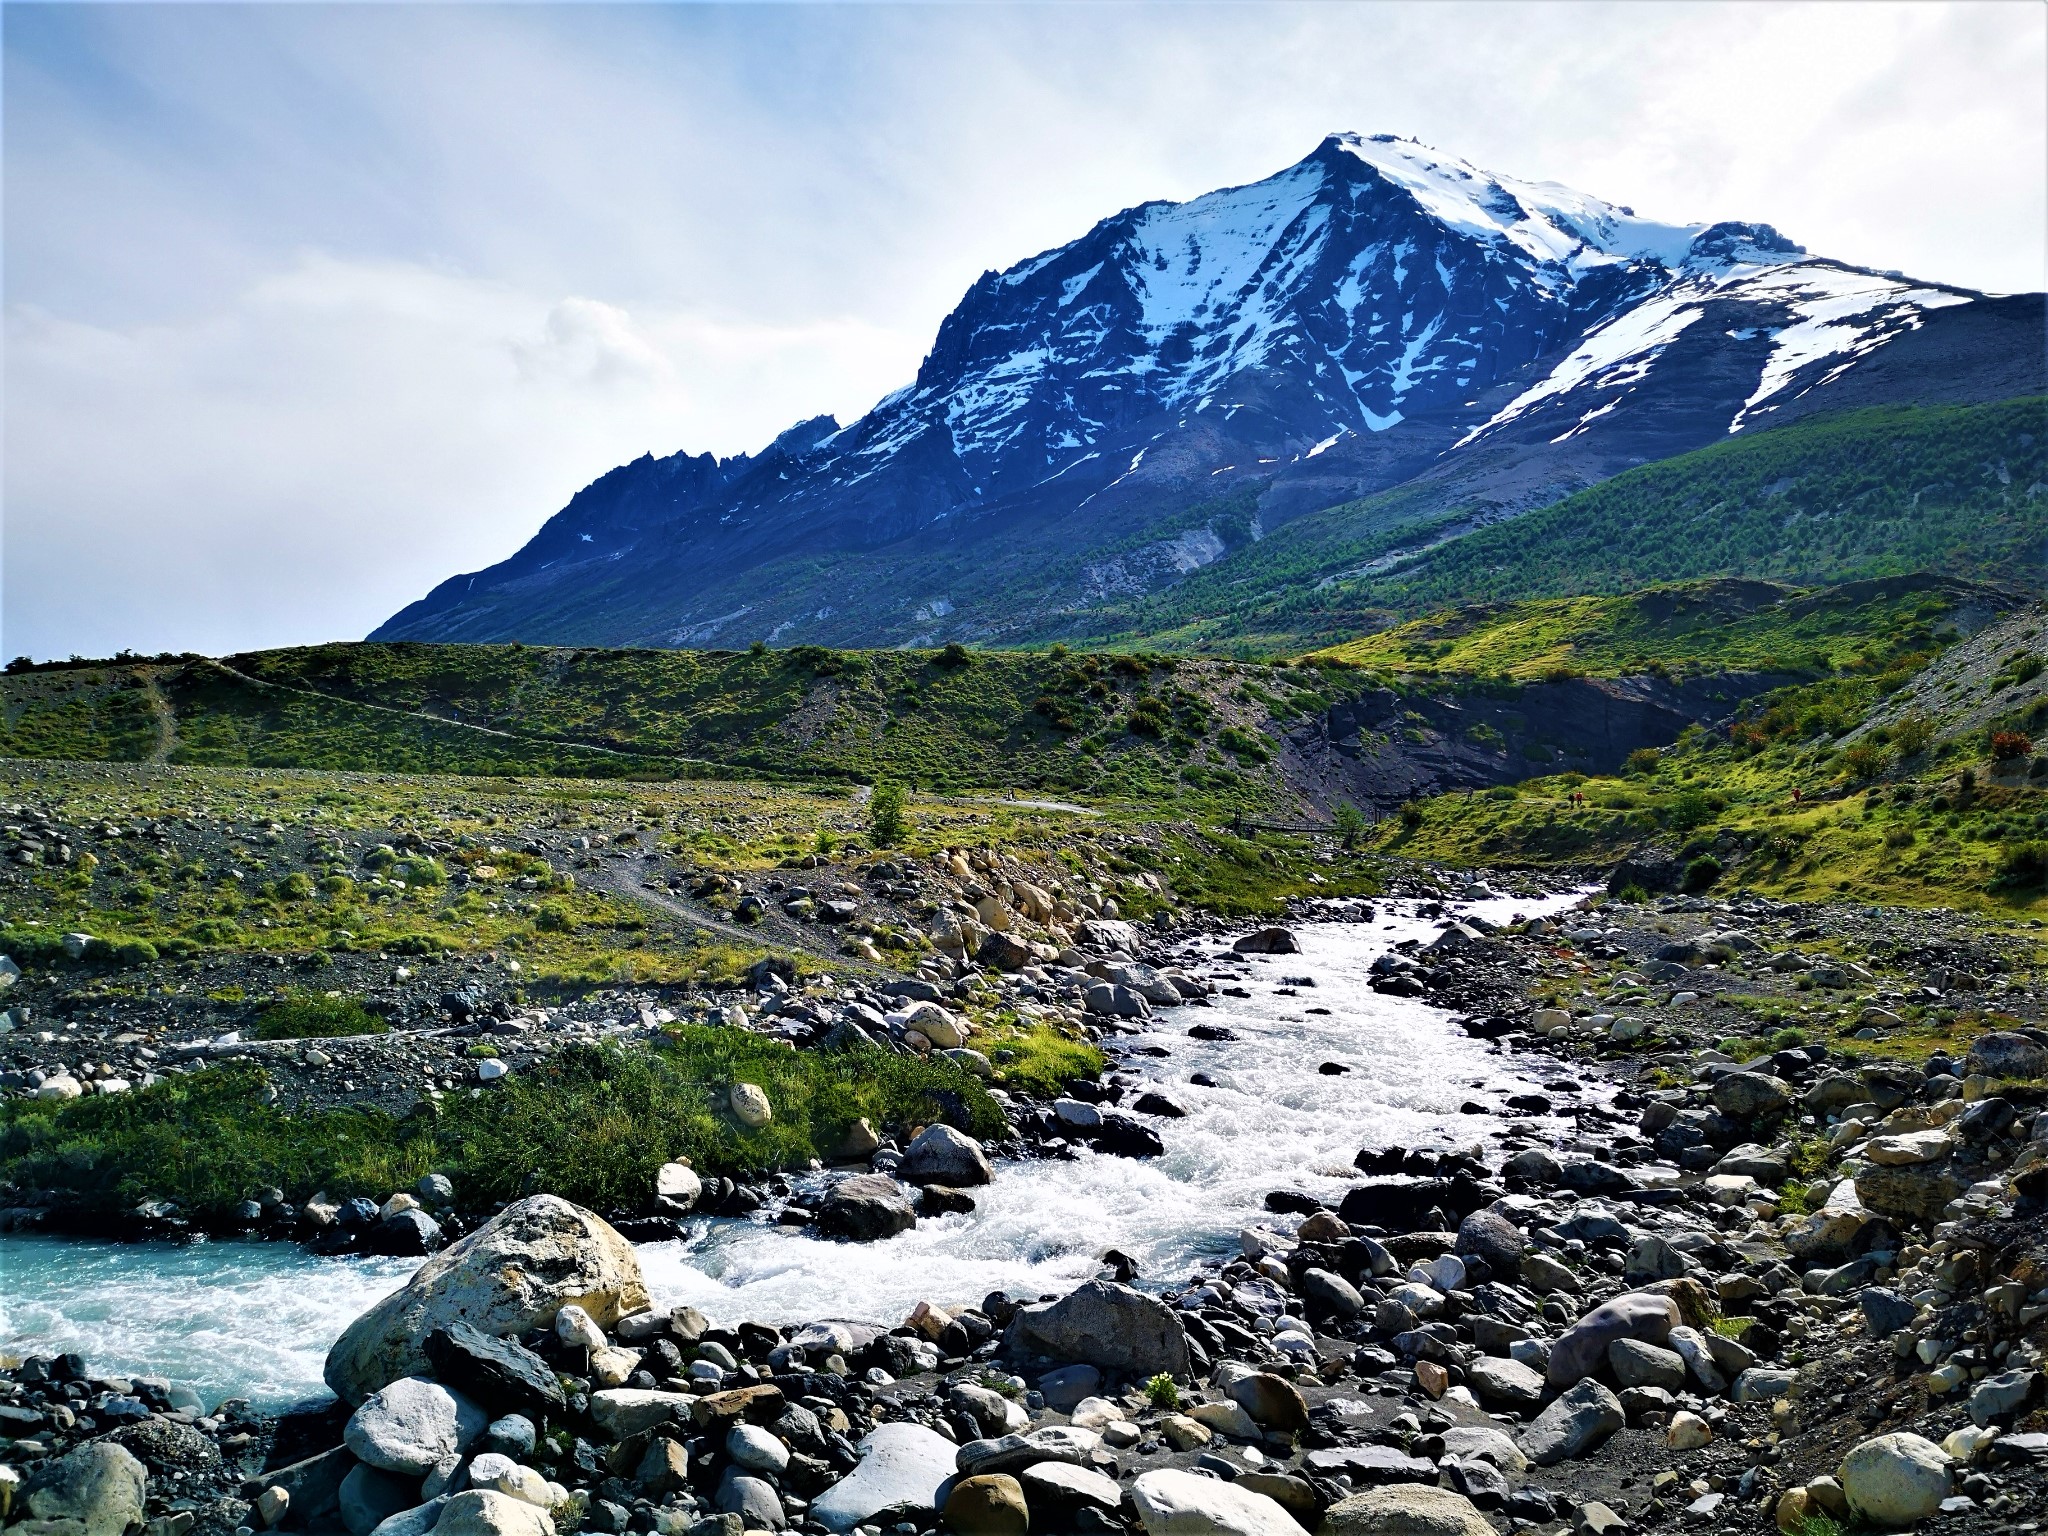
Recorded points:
(1037,1058)
(310,1017)
(592,1124)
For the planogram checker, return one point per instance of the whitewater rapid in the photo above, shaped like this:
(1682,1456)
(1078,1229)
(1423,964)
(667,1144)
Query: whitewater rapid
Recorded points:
(255,1319)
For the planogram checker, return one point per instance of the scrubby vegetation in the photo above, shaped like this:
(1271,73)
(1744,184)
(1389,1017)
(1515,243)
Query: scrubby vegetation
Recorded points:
(592,1124)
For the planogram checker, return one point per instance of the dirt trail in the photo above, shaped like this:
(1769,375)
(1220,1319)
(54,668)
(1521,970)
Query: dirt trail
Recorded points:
(621,877)
(166,721)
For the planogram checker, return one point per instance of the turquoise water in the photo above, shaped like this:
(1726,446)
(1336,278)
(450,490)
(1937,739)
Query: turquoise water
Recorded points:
(255,1320)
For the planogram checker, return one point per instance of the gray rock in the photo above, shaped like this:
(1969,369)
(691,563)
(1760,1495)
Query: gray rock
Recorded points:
(485,1512)
(1106,1325)
(901,1468)
(412,1425)
(1750,1095)
(514,1435)
(754,1449)
(1175,1503)
(1633,1315)
(1913,1192)
(1488,1235)
(513,1273)
(1410,1510)
(1333,1293)
(752,1499)
(370,1497)
(1268,941)
(1885,1312)
(1636,1364)
(1370,1465)
(1760,1384)
(623,1411)
(1504,1383)
(1578,1421)
(2006,1054)
(866,1207)
(1058,1490)
(1068,1385)
(1534,1165)
(942,1155)
(1896,1480)
(96,1490)
(1013,1453)
(417,1521)
(1473,1442)
(1997,1396)
(1651,1258)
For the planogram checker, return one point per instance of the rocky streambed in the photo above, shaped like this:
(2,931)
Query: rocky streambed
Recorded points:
(1654,1288)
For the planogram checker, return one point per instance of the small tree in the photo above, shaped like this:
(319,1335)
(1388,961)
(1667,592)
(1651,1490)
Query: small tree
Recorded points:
(885,813)
(1350,822)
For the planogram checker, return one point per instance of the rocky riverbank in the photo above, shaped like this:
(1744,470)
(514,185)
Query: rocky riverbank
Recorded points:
(1801,1284)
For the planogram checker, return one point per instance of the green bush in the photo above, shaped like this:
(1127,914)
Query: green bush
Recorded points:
(309,1017)
(423,871)
(32,946)
(1702,873)
(2023,866)
(553,917)
(886,820)
(132,952)
(294,887)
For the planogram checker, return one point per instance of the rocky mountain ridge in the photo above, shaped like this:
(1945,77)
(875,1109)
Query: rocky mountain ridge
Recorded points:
(1108,415)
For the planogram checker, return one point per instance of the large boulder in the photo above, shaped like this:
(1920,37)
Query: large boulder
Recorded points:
(942,1155)
(1911,1191)
(991,1504)
(1581,1348)
(96,1490)
(1896,1480)
(1410,1509)
(1750,1095)
(1488,1235)
(2004,1053)
(412,1425)
(1575,1423)
(1105,1325)
(486,1512)
(1173,1503)
(1268,941)
(901,1468)
(1504,1383)
(865,1207)
(513,1273)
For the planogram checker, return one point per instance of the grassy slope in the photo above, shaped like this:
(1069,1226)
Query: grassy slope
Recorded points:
(1123,726)
(1682,629)
(1833,498)
(1796,801)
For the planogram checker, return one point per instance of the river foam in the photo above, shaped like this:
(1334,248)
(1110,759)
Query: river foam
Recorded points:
(255,1320)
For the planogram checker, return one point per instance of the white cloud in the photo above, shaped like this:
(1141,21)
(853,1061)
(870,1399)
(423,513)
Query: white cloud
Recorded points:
(314,306)
(302,463)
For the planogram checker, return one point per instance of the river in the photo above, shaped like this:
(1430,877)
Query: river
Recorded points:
(255,1319)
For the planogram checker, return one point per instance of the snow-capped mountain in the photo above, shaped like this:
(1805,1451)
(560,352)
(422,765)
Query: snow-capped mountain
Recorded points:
(1107,415)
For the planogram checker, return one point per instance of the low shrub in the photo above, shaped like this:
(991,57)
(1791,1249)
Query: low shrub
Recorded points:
(317,1018)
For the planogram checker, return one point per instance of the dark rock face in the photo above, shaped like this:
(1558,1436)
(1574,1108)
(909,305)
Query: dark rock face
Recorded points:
(1375,314)
(866,1207)
(502,1374)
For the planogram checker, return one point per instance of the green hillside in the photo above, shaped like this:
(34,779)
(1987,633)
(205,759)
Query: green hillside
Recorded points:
(1123,725)
(1960,490)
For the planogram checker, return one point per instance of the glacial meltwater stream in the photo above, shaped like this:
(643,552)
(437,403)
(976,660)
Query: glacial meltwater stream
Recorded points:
(256,1319)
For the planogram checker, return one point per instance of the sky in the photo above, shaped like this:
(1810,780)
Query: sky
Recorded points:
(309,307)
